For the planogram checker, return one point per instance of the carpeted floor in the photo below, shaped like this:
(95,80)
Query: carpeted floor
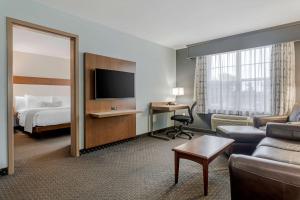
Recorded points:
(138,169)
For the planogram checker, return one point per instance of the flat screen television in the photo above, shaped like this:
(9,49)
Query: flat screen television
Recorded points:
(113,84)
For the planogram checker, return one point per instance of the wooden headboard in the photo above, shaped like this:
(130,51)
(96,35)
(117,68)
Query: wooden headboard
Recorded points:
(40,81)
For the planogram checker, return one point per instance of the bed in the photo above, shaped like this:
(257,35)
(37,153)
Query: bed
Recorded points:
(42,114)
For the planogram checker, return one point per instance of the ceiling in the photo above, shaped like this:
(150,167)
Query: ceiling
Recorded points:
(176,23)
(42,43)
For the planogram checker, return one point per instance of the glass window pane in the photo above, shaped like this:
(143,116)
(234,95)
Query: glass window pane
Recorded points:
(240,81)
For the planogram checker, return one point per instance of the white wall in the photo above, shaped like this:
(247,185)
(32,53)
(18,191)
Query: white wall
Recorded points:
(33,65)
(156,65)
(41,90)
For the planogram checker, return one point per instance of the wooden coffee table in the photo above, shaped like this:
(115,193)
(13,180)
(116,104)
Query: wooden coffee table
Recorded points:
(202,150)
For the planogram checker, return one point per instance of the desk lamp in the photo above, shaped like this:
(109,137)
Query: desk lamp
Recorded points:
(178,91)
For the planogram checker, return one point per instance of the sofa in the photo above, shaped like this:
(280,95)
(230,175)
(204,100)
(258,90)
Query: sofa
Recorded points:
(273,170)
(222,120)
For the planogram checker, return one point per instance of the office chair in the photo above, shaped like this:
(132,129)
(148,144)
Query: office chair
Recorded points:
(185,121)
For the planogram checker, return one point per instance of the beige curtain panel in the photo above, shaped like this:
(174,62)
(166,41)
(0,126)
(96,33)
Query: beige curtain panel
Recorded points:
(200,84)
(283,78)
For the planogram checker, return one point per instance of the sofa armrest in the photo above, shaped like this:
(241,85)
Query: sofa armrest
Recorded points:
(257,178)
(263,120)
(283,131)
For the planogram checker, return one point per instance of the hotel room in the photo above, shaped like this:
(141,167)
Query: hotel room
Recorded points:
(41,89)
(150,99)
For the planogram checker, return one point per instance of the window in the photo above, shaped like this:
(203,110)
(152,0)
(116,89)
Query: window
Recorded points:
(239,82)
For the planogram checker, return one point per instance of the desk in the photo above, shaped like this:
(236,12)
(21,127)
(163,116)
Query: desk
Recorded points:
(162,107)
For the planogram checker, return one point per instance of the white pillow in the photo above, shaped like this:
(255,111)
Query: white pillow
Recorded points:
(36,101)
(66,101)
(20,103)
(52,104)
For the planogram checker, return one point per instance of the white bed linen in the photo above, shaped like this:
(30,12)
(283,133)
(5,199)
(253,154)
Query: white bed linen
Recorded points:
(46,116)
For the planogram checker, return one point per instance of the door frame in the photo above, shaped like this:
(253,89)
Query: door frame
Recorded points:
(74,42)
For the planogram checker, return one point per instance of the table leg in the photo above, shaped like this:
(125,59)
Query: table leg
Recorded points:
(176,167)
(230,150)
(151,121)
(151,128)
(174,113)
(205,177)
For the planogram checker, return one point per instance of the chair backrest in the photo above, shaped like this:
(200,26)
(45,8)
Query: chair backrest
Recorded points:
(191,110)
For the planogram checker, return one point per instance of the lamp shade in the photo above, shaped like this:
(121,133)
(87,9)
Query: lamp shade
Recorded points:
(178,91)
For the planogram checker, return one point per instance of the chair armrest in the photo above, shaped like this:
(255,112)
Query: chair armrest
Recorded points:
(283,131)
(263,120)
(257,178)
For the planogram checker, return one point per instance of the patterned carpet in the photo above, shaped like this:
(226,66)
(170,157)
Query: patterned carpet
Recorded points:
(138,169)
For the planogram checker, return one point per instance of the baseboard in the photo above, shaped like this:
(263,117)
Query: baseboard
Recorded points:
(3,172)
(97,148)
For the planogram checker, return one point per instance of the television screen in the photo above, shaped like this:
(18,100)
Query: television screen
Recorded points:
(113,84)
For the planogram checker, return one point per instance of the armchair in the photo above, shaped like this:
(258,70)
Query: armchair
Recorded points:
(294,117)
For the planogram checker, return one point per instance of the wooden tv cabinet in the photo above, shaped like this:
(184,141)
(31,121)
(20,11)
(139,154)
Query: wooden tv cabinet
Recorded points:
(103,125)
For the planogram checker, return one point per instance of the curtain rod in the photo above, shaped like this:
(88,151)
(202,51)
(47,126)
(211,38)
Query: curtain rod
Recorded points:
(194,57)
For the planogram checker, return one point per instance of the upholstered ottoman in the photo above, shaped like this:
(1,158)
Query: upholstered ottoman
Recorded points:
(246,138)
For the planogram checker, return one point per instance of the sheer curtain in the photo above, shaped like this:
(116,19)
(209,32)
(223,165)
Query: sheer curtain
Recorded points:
(239,82)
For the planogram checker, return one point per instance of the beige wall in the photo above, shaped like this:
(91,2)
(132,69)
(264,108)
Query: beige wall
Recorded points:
(34,65)
(297,52)
(41,90)
(28,64)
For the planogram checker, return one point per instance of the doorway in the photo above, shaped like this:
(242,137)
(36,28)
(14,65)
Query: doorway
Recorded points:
(72,82)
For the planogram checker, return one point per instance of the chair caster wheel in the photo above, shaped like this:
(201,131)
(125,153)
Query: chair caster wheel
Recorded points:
(173,137)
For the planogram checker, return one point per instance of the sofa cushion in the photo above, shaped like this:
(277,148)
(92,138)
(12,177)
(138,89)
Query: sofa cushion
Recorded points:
(242,134)
(289,145)
(281,155)
(295,115)
(283,131)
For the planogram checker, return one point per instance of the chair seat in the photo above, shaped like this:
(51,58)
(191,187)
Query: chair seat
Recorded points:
(181,118)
